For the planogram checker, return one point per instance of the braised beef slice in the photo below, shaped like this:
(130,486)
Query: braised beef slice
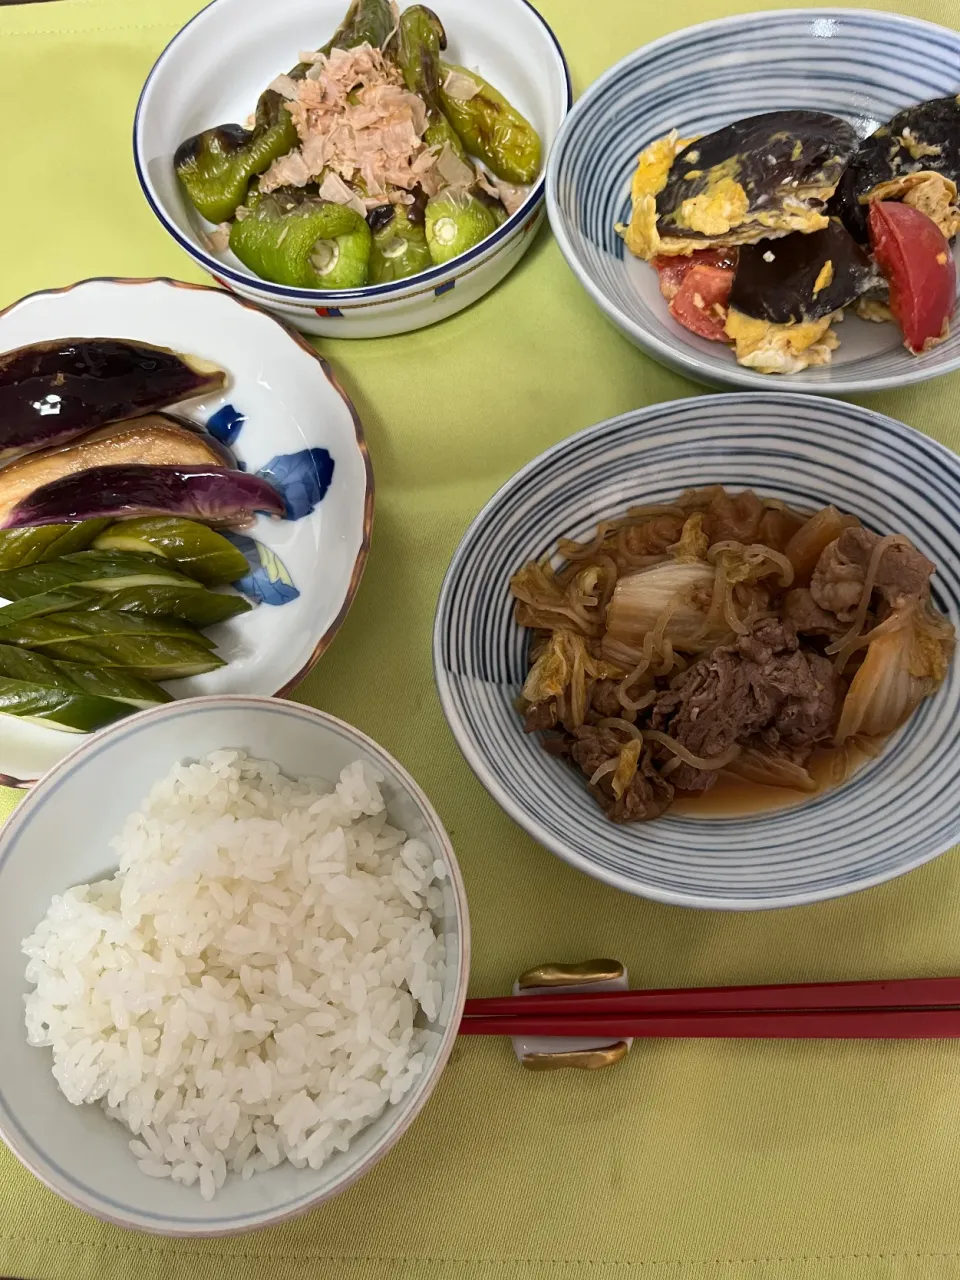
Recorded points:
(539,716)
(765,685)
(647,796)
(838,579)
(802,611)
(604,699)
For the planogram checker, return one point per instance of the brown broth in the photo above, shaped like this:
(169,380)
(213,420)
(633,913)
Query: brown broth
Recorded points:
(732,797)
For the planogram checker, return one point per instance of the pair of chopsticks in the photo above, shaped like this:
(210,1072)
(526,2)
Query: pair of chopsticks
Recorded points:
(901,1009)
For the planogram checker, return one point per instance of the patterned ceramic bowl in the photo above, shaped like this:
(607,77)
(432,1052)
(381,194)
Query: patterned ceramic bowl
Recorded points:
(863,66)
(216,67)
(282,412)
(76,1150)
(897,812)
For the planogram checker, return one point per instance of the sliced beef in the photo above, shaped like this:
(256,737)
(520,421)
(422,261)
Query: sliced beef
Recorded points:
(653,536)
(647,796)
(765,684)
(733,517)
(604,699)
(592,747)
(540,716)
(837,585)
(806,616)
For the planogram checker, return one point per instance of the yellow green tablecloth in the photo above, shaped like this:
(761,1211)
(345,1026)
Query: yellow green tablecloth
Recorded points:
(693,1159)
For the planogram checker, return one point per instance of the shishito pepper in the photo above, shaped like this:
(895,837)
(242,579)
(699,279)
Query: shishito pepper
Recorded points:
(215,167)
(293,237)
(365,22)
(399,246)
(456,221)
(489,126)
(420,41)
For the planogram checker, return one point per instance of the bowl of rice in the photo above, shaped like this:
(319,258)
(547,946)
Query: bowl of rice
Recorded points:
(235,950)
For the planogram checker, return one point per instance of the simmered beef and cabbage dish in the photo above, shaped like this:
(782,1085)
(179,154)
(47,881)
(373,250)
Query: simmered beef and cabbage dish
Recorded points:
(725,635)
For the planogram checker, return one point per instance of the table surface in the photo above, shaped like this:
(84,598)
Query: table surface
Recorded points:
(693,1158)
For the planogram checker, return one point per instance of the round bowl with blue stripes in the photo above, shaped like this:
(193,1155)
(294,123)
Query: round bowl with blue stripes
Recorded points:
(858,64)
(898,811)
(215,68)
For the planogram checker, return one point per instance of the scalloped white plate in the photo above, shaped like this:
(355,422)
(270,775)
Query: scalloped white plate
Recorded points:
(284,400)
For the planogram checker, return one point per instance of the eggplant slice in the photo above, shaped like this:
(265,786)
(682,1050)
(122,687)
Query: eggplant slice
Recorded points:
(800,278)
(52,392)
(920,139)
(767,175)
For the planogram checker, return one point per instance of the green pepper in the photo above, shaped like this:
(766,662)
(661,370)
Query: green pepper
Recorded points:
(491,129)
(193,548)
(215,167)
(400,246)
(456,221)
(420,41)
(365,22)
(293,237)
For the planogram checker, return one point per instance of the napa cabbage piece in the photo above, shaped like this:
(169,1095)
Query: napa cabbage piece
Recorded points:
(906,662)
(561,672)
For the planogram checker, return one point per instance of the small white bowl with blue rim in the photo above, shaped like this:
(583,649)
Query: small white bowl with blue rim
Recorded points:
(283,414)
(60,836)
(899,811)
(216,67)
(859,64)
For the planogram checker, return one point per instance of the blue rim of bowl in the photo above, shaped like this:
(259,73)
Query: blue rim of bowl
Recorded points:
(363,552)
(527,821)
(651,342)
(418,1097)
(320,297)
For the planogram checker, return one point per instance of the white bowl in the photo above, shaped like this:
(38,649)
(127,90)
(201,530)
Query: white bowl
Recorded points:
(858,64)
(59,837)
(307,570)
(214,70)
(897,812)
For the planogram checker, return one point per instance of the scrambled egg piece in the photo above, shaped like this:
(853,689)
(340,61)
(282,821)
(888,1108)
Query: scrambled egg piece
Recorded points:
(717,210)
(824,279)
(653,165)
(931,193)
(874,310)
(781,348)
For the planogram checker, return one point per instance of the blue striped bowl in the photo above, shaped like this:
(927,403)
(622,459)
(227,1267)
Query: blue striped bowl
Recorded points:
(862,65)
(896,813)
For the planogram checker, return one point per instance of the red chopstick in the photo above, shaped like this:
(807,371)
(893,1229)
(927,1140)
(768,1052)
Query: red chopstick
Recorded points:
(834,1024)
(898,993)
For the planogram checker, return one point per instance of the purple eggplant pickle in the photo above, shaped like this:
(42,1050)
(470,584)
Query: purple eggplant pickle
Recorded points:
(51,392)
(212,496)
(156,440)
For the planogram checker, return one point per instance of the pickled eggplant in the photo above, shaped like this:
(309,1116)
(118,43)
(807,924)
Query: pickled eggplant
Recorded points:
(800,278)
(96,571)
(195,549)
(764,176)
(921,140)
(35,689)
(216,497)
(155,439)
(52,392)
(19,547)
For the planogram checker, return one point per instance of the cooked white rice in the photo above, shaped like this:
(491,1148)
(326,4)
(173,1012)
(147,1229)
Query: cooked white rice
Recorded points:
(243,991)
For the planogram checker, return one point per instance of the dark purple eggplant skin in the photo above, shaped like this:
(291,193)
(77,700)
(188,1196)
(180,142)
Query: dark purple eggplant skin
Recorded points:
(767,159)
(884,156)
(781,290)
(52,392)
(207,494)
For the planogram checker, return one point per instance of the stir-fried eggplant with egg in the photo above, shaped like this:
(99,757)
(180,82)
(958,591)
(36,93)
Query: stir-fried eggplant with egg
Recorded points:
(373,126)
(725,635)
(809,221)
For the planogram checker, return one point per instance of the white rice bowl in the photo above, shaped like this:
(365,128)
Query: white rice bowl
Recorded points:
(251,986)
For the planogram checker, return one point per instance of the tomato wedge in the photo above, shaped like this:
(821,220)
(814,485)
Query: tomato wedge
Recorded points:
(700,304)
(672,270)
(915,258)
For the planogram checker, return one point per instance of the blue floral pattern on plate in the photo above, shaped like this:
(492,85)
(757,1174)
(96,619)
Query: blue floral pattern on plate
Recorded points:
(303,478)
(226,424)
(268,581)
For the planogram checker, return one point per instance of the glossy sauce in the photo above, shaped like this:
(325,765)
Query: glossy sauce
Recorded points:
(732,797)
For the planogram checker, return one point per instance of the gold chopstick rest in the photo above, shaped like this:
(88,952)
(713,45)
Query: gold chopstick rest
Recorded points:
(591,974)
